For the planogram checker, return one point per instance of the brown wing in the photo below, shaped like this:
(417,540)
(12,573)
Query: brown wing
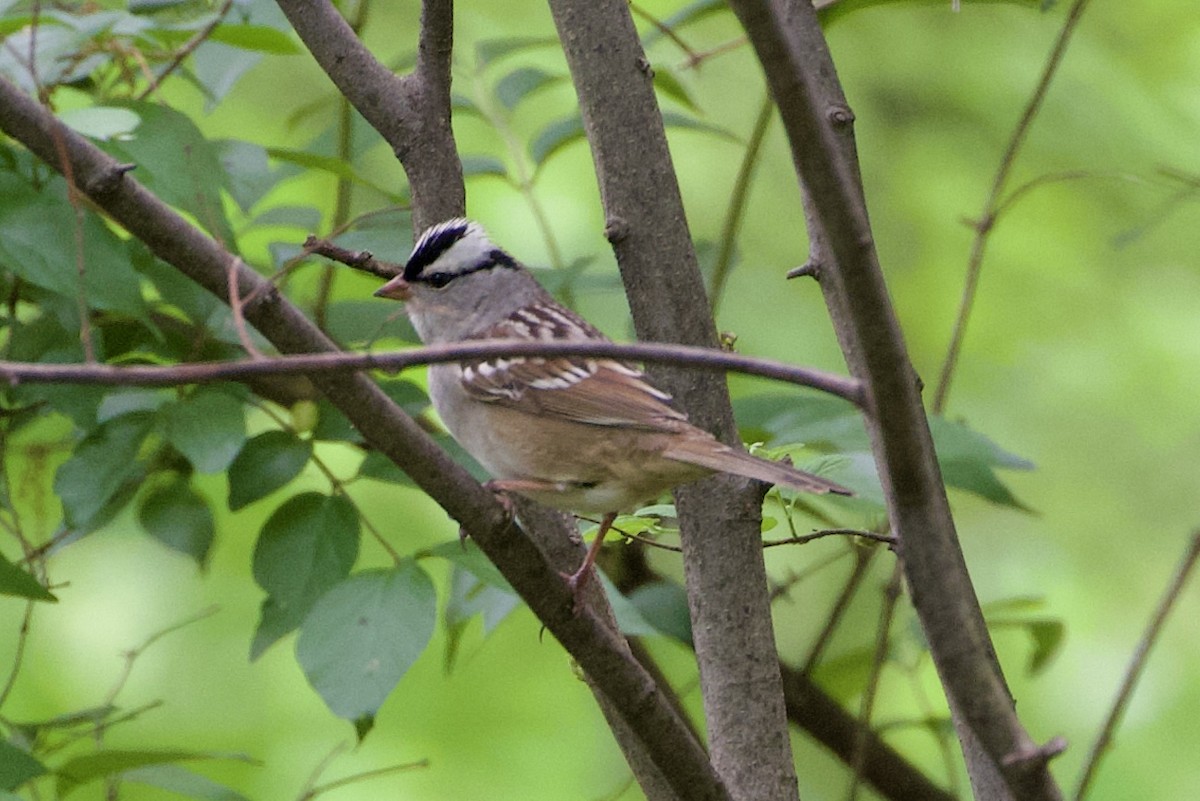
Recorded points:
(594,391)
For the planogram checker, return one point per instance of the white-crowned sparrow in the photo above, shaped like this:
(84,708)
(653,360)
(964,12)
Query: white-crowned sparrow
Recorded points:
(578,434)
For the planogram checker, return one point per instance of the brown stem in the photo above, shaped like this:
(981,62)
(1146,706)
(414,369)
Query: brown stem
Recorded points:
(787,38)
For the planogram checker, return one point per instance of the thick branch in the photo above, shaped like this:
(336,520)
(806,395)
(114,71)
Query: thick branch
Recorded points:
(412,113)
(595,646)
(720,517)
(787,39)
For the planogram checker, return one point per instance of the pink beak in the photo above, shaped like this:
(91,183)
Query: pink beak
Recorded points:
(395,289)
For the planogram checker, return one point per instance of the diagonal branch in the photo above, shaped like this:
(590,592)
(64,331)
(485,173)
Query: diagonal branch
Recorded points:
(787,38)
(597,648)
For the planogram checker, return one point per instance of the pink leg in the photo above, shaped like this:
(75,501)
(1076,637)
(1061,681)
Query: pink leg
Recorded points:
(578,580)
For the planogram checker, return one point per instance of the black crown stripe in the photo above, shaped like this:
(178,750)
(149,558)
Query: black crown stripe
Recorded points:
(436,241)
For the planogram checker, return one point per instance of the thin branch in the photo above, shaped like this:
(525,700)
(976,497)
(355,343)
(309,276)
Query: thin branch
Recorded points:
(737,203)
(339,362)
(987,217)
(833,532)
(188,48)
(862,560)
(818,714)
(891,594)
(1138,663)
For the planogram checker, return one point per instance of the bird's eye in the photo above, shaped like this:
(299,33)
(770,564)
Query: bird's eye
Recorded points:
(438,280)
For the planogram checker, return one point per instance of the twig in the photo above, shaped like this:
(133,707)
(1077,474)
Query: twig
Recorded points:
(338,362)
(891,594)
(366,774)
(831,532)
(1137,663)
(664,29)
(987,218)
(188,48)
(862,561)
(358,259)
(737,203)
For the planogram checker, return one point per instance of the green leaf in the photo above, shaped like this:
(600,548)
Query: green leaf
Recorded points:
(483,165)
(336,167)
(467,555)
(178,517)
(308,545)
(663,604)
(969,461)
(17,766)
(208,427)
(522,82)
(845,675)
(176,162)
(17,582)
(692,12)
(81,770)
(266,463)
(668,84)
(101,122)
(379,467)
(673,119)
(216,68)
(1046,633)
(181,781)
(38,242)
(554,137)
(100,466)
(470,596)
(249,169)
(363,635)
(489,50)
(259,38)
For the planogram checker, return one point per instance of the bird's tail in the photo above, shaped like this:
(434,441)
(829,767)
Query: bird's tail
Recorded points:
(720,457)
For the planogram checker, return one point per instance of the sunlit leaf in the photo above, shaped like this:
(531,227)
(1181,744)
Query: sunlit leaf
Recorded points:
(101,122)
(260,38)
(364,634)
(264,464)
(673,119)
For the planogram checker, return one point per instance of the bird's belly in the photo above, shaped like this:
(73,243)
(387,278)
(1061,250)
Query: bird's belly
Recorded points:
(585,468)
